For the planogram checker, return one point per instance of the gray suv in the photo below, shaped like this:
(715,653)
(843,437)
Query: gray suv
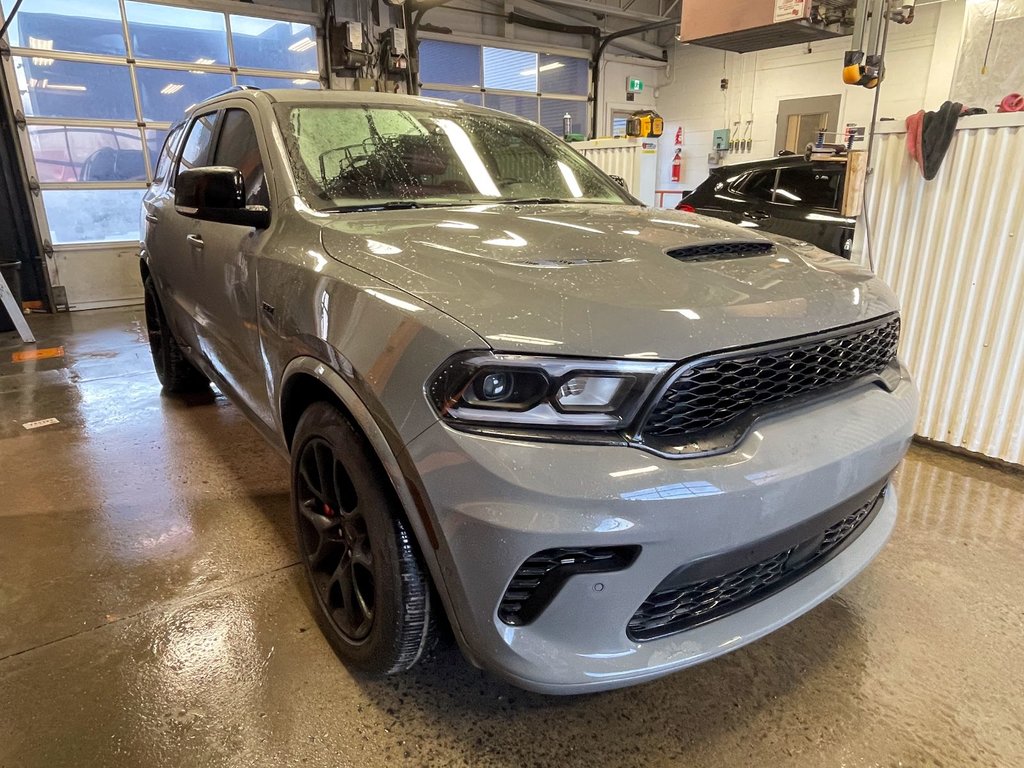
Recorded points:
(603,442)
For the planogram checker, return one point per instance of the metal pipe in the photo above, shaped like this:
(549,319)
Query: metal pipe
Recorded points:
(602,46)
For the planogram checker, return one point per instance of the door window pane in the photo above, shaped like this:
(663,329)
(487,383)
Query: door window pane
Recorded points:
(74,89)
(168,93)
(93,215)
(87,154)
(177,34)
(197,147)
(524,106)
(564,74)
(309,83)
(238,148)
(68,25)
(463,96)
(450,63)
(805,185)
(510,70)
(161,150)
(553,110)
(269,44)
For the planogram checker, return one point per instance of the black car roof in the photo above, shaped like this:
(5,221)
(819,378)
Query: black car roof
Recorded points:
(773,162)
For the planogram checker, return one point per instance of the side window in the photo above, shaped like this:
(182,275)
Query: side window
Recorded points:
(809,185)
(197,146)
(238,148)
(167,154)
(758,185)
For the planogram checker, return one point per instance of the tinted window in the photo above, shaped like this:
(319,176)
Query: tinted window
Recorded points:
(806,185)
(759,185)
(166,155)
(197,147)
(238,148)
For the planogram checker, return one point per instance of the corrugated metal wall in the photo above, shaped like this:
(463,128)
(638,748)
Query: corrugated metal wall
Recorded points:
(953,250)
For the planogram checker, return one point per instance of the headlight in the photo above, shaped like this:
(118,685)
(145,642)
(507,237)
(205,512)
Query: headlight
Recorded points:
(521,391)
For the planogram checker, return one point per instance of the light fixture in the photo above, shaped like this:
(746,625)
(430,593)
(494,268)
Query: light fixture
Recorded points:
(63,87)
(205,61)
(41,62)
(545,68)
(302,45)
(171,88)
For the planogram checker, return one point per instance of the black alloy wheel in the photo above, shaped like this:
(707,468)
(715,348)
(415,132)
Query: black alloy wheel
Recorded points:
(335,540)
(371,594)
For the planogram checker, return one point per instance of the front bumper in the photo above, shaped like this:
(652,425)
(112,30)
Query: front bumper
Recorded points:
(499,501)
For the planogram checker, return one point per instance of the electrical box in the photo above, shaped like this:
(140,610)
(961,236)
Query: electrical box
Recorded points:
(348,46)
(396,51)
(720,139)
(754,25)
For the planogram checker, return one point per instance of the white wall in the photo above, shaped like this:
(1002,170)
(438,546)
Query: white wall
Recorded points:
(919,73)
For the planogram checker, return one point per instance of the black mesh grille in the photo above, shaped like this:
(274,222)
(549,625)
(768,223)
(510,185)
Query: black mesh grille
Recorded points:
(716,394)
(538,579)
(718,251)
(679,608)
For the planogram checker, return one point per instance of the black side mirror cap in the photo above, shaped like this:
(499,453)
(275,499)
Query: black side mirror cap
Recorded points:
(217,193)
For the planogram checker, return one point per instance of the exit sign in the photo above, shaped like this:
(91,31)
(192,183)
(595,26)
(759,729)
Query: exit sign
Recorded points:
(634,85)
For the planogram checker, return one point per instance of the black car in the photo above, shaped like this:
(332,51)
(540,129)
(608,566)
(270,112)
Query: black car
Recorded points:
(786,195)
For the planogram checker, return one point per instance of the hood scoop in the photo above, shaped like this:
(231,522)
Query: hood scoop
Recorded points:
(721,251)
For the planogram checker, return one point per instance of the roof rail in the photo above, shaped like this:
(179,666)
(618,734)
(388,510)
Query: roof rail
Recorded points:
(232,89)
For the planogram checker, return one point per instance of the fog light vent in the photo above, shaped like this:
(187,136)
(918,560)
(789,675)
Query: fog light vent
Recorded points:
(540,578)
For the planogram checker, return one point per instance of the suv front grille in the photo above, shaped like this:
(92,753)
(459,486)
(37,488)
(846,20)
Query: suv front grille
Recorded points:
(667,611)
(722,394)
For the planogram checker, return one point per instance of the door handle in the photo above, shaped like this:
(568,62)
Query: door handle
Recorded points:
(755,215)
(151,218)
(196,241)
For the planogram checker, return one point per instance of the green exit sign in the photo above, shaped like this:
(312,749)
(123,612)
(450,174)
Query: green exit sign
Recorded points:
(634,85)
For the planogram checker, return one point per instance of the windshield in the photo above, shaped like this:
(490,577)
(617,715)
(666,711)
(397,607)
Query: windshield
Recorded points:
(358,157)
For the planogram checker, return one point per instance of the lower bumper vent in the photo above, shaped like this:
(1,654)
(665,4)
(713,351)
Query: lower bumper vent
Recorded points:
(683,607)
(541,577)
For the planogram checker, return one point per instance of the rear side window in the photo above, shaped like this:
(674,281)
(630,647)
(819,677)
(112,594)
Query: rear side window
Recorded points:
(759,185)
(163,164)
(238,148)
(197,146)
(808,185)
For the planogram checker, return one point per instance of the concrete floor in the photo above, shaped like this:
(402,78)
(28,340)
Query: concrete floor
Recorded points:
(152,614)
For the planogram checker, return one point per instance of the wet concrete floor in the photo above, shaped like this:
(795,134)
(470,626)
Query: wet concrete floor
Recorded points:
(152,614)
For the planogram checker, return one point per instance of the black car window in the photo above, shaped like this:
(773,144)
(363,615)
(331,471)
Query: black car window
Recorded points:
(238,148)
(809,185)
(197,146)
(167,154)
(758,185)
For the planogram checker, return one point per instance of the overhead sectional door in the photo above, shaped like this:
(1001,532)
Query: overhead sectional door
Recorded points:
(99,84)
(542,87)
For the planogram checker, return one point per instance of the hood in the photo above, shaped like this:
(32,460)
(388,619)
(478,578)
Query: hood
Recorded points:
(598,280)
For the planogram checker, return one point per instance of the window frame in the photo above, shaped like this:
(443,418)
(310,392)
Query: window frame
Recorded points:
(261,146)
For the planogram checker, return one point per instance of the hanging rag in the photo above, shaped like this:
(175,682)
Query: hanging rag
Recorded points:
(929,135)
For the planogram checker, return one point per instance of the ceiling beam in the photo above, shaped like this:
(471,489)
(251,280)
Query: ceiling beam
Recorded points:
(631,44)
(605,10)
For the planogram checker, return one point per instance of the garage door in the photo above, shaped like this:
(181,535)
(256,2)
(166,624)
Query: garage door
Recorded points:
(98,85)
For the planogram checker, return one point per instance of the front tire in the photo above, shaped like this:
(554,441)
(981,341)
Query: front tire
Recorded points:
(371,594)
(173,369)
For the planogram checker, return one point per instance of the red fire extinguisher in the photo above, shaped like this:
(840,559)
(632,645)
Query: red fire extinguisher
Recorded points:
(677,165)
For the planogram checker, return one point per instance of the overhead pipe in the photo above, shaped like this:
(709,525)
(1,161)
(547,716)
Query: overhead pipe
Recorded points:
(602,46)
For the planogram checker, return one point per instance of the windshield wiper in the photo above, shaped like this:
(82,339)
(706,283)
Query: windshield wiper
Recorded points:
(536,201)
(393,205)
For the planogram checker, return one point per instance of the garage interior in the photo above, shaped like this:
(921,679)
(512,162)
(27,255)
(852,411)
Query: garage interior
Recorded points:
(152,606)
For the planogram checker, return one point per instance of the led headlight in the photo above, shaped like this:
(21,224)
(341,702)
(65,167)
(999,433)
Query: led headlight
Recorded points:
(526,392)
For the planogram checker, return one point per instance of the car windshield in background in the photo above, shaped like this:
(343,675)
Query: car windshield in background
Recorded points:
(360,157)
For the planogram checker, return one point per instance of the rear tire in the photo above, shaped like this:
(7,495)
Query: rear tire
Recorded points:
(371,594)
(173,369)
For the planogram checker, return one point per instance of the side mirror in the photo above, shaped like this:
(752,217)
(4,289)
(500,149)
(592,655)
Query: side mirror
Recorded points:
(620,181)
(217,193)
